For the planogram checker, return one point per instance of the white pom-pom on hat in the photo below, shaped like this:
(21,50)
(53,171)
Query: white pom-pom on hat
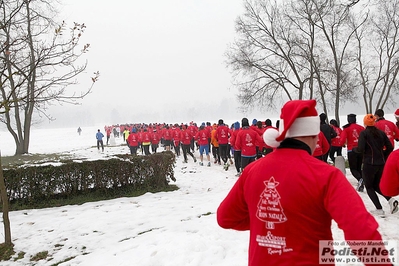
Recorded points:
(269,137)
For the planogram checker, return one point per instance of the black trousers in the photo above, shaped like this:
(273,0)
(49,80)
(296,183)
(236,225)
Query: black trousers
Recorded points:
(371,178)
(100,143)
(133,150)
(215,153)
(146,149)
(154,148)
(223,151)
(187,150)
(355,161)
(246,160)
(333,150)
(237,160)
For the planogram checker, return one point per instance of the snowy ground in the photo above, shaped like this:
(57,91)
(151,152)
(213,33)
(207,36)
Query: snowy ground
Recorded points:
(169,228)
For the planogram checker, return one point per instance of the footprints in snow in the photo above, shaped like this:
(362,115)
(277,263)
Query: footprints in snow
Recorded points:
(184,170)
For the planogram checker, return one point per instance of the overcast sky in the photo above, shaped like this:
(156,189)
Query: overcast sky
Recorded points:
(160,60)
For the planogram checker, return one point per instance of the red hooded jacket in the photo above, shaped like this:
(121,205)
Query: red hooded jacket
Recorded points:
(247,140)
(288,200)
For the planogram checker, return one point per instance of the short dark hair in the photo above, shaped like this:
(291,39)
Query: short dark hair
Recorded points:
(379,112)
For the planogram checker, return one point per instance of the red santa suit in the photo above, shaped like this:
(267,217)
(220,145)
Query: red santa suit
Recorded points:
(350,135)
(322,146)
(202,137)
(389,183)
(133,139)
(288,214)
(155,137)
(247,140)
(186,137)
(389,128)
(288,199)
(222,134)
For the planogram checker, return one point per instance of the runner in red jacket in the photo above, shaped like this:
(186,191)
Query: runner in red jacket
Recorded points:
(133,141)
(389,183)
(247,140)
(387,126)
(186,138)
(350,137)
(193,130)
(167,136)
(146,141)
(336,146)
(288,199)
(222,136)
(202,137)
(176,139)
(322,147)
(155,138)
(237,152)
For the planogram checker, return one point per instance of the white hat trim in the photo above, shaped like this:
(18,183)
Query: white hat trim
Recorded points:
(302,126)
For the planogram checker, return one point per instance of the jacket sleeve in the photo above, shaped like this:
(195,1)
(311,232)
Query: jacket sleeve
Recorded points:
(388,146)
(259,140)
(342,199)
(361,145)
(333,133)
(238,141)
(232,140)
(342,138)
(389,183)
(325,144)
(233,212)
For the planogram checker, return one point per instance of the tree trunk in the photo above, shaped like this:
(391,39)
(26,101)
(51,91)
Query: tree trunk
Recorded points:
(4,200)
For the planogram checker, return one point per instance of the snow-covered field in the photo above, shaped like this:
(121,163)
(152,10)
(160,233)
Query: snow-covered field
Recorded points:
(169,228)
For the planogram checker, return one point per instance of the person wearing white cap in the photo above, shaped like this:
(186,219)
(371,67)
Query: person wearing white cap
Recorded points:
(396,114)
(288,199)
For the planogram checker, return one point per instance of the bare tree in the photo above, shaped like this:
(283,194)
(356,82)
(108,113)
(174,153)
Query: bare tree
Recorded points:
(4,107)
(40,60)
(378,55)
(37,64)
(5,208)
(265,59)
(311,49)
(335,75)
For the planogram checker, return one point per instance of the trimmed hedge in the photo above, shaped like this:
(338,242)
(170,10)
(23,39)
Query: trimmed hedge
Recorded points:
(37,183)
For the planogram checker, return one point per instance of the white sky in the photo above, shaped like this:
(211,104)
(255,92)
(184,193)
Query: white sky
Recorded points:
(161,229)
(159,60)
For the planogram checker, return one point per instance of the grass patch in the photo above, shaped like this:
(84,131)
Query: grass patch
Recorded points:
(6,251)
(67,259)
(40,256)
(21,255)
(204,214)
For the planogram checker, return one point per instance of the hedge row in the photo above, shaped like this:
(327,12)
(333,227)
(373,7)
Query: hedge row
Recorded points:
(36,183)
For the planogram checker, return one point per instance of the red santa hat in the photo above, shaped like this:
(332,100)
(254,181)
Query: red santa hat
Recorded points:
(396,113)
(298,119)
